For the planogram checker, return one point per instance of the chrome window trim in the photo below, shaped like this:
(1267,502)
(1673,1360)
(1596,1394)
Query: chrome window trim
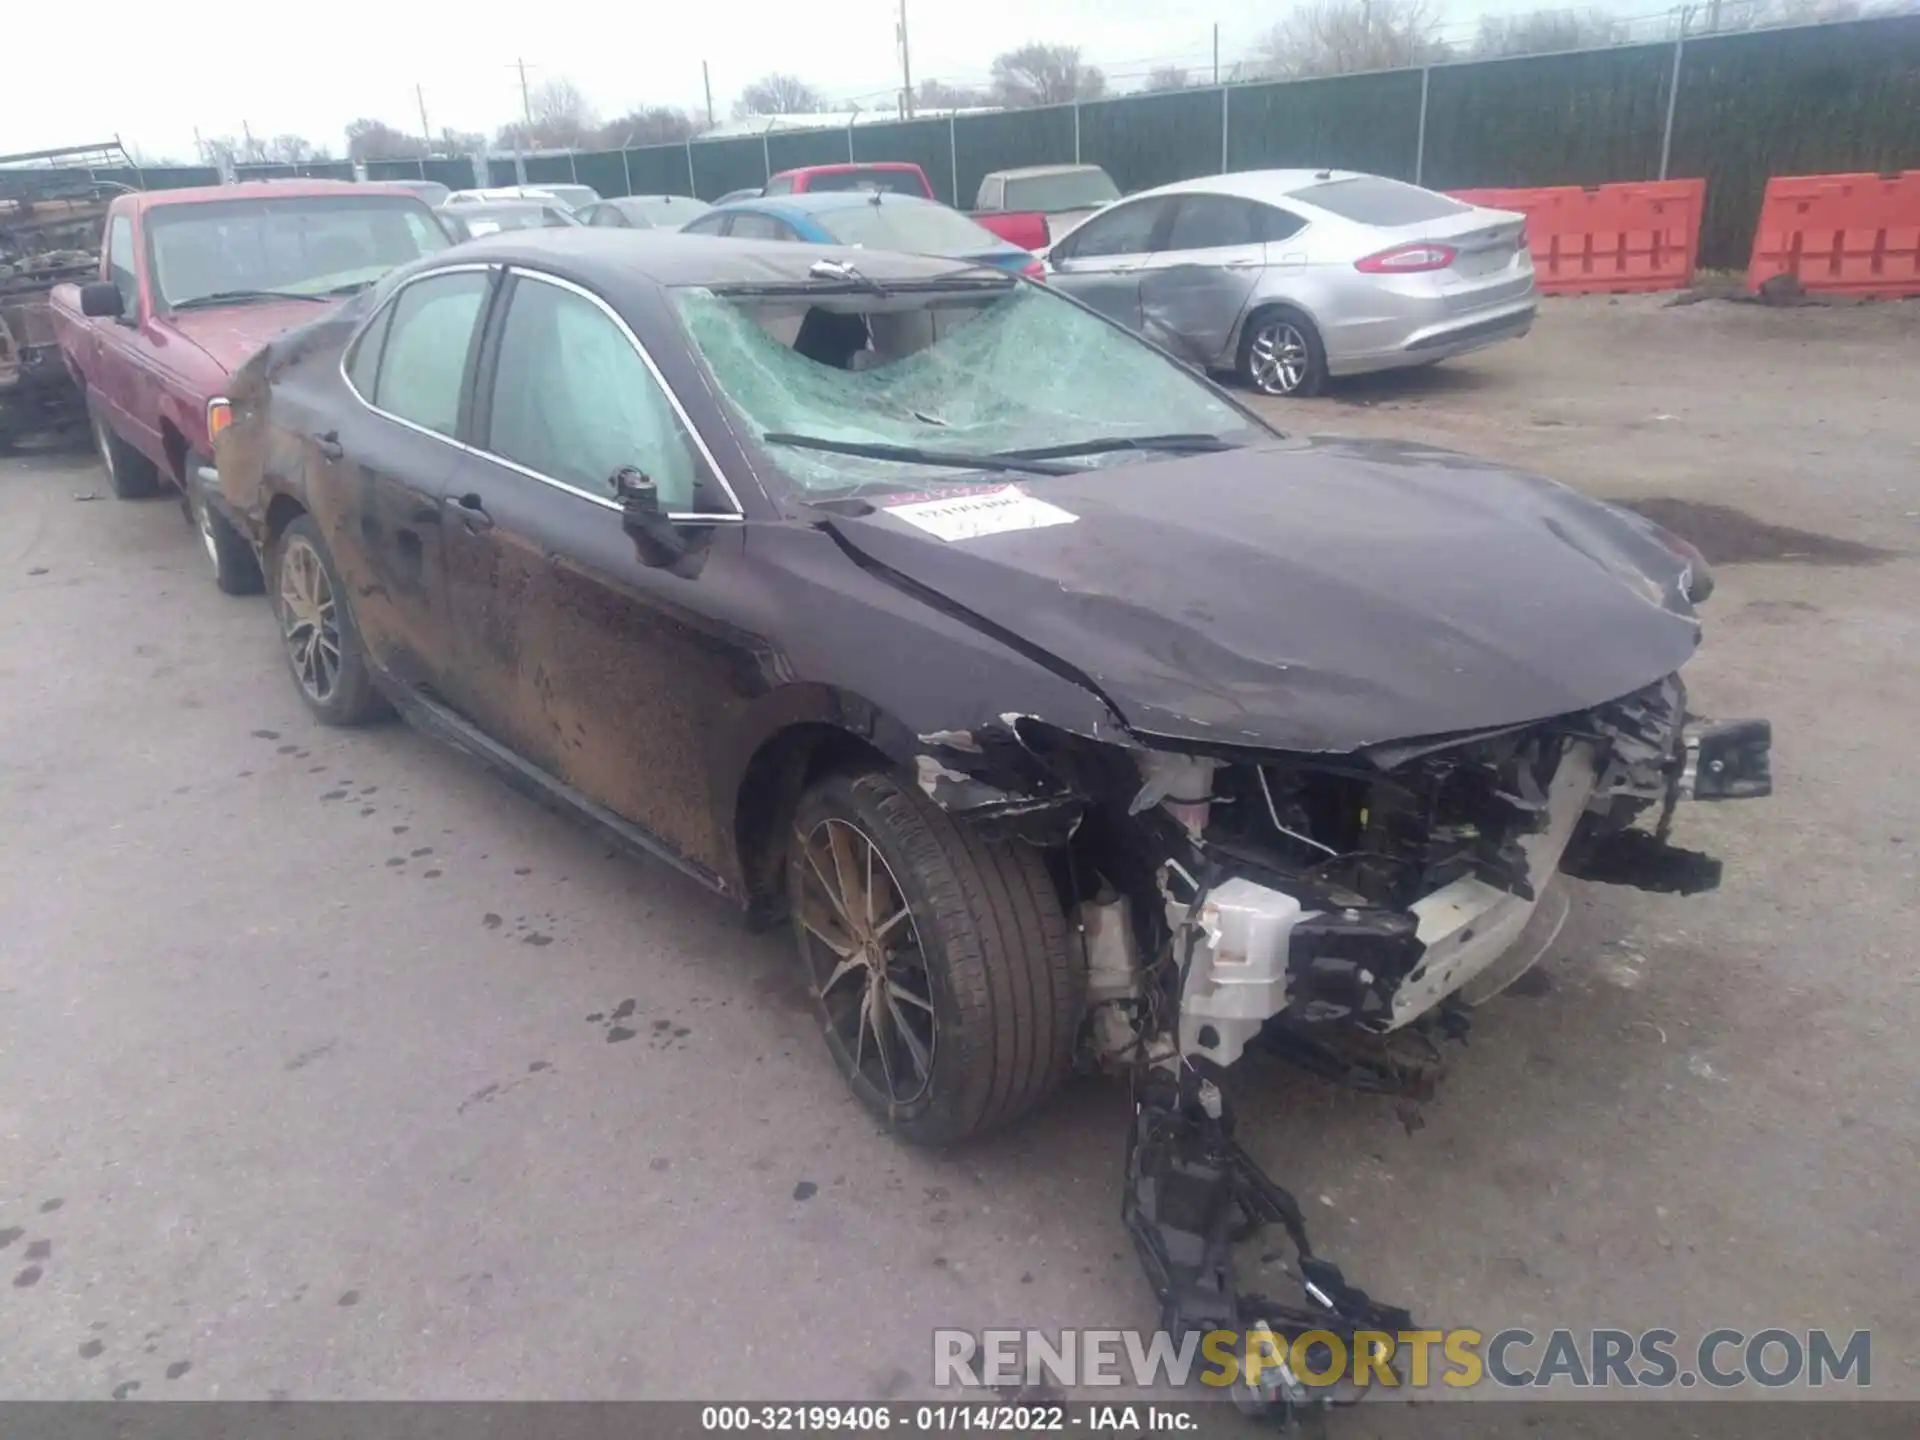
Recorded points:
(604,502)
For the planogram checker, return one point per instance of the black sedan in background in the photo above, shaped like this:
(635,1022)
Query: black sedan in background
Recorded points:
(1055,698)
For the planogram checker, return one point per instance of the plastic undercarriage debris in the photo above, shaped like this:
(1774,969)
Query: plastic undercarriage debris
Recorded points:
(1193,1194)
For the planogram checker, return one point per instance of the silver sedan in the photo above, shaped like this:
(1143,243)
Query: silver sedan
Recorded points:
(1289,276)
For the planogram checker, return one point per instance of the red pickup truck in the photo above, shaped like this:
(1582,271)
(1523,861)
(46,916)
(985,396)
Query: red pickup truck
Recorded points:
(191,283)
(1038,205)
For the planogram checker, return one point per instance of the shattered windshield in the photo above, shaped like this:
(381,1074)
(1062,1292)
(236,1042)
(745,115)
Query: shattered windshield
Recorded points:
(302,246)
(992,374)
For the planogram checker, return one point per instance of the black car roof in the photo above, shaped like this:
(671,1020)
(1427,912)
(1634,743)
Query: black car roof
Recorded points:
(611,260)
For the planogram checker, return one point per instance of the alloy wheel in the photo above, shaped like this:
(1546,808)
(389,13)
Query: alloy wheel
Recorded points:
(309,620)
(1279,358)
(865,960)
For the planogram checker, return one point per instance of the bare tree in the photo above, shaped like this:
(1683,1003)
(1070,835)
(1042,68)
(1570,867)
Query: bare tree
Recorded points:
(1541,32)
(369,139)
(143,158)
(459,142)
(647,125)
(937,95)
(227,151)
(562,118)
(295,150)
(1168,77)
(1039,74)
(1340,37)
(779,94)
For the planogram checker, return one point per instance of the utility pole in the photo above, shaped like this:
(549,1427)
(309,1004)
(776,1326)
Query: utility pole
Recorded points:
(1713,18)
(707,80)
(247,131)
(906,67)
(526,97)
(1216,52)
(426,131)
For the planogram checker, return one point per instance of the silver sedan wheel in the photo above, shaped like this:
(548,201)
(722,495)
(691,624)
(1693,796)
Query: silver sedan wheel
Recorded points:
(864,957)
(1279,358)
(309,620)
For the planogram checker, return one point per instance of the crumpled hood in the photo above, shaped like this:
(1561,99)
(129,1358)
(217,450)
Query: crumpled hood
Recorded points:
(231,333)
(1318,595)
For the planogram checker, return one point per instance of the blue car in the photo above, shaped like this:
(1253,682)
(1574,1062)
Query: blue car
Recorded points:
(873,219)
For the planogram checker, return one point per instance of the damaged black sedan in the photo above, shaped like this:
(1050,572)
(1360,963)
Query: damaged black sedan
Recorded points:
(1071,713)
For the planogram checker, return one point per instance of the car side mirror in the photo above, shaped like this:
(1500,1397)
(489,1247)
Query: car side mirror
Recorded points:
(100,299)
(655,538)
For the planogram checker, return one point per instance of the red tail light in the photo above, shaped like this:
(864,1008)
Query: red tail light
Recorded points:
(1035,270)
(1407,259)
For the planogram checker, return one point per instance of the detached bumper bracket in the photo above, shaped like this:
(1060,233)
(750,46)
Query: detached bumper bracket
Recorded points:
(1193,1193)
(1730,760)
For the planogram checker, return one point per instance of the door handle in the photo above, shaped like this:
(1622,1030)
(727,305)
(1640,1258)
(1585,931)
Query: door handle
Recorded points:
(472,512)
(327,442)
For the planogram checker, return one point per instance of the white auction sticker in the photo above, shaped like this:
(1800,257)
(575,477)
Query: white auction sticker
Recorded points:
(981,512)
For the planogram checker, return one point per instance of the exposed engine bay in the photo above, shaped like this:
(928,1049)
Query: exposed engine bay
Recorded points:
(1331,906)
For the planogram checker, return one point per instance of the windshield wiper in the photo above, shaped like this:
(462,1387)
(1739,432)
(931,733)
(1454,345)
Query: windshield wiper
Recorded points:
(1196,444)
(1032,464)
(235,297)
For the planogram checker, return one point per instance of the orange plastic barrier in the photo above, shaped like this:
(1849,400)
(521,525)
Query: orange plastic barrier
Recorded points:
(1609,240)
(1857,234)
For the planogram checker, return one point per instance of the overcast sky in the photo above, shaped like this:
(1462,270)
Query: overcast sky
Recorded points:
(310,68)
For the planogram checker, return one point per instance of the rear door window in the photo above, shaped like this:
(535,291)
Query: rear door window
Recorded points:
(1278,224)
(1123,230)
(363,364)
(424,363)
(1375,200)
(1213,222)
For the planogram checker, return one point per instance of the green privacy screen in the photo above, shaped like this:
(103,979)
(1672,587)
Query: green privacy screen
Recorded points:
(1807,101)
(1349,122)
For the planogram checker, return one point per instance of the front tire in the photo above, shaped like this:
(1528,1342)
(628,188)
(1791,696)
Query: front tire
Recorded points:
(937,960)
(323,648)
(236,569)
(1282,354)
(132,475)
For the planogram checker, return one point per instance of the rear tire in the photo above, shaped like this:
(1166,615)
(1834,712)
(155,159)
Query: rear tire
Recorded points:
(1281,354)
(978,969)
(132,475)
(317,632)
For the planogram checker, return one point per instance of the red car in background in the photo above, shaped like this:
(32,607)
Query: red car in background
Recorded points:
(1032,207)
(896,177)
(191,283)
